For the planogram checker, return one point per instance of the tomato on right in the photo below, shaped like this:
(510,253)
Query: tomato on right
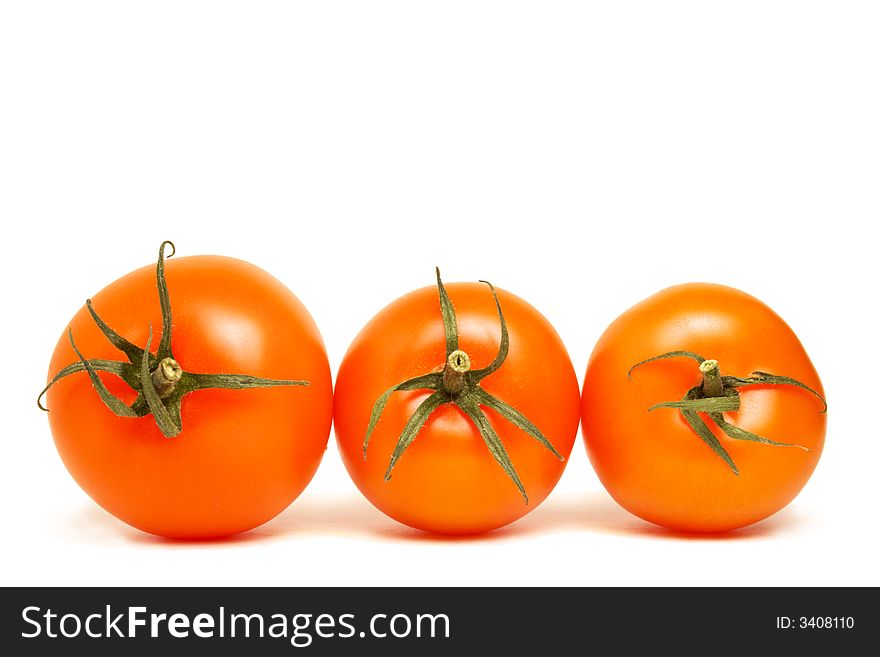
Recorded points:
(701,410)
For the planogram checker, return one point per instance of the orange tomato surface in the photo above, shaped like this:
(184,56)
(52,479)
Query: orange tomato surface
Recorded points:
(652,463)
(243,455)
(447,480)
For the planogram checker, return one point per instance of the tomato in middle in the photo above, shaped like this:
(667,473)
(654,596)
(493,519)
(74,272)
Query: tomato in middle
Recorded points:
(449,478)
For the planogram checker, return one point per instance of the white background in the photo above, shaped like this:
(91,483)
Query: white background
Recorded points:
(582,155)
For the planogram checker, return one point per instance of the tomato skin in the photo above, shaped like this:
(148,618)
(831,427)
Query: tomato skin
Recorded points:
(652,463)
(447,481)
(243,455)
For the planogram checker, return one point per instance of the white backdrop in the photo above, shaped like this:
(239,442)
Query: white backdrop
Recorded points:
(584,154)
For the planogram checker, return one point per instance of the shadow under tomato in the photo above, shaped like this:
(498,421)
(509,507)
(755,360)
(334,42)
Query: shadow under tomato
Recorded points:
(93,525)
(310,515)
(350,515)
(598,513)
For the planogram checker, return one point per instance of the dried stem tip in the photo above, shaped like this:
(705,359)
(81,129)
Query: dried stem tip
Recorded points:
(457,365)
(713,386)
(166,376)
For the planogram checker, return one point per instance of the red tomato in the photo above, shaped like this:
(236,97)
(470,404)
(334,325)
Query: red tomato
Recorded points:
(652,461)
(242,455)
(447,480)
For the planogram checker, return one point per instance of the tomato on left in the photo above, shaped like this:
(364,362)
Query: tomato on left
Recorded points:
(191,399)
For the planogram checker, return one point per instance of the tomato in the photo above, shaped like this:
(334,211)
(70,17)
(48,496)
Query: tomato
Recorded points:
(474,464)
(239,456)
(654,462)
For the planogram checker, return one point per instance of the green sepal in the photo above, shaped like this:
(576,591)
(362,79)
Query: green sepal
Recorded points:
(737,433)
(765,378)
(705,433)
(728,403)
(164,350)
(450,325)
(125,371)
(476,376)
(431,381)
(415,423)
(516,418)
(493,442)
(160,414)
(131,350)
(234,382)
(668,354)
(112,402)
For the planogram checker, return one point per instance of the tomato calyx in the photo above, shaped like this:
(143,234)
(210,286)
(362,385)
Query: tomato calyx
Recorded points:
(717,394)
(158,379)
(457,383)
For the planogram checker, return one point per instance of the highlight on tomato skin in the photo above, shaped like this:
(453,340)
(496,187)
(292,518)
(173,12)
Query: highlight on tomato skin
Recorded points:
(456,408)
(701,410)
(192,398)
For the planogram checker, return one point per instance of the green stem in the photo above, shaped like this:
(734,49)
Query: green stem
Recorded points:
(713,386)
(457,365)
